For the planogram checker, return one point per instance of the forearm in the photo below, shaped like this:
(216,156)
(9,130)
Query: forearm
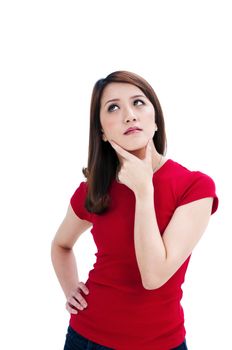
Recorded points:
(149,247)
(65,266)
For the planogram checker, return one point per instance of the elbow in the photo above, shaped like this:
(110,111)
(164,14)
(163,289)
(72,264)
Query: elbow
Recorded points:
(151,286)
(55,244)
(154,284)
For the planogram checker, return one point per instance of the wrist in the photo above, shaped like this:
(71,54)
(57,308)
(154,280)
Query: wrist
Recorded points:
(146,191)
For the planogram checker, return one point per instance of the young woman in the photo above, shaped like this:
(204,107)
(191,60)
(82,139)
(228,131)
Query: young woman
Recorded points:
(146,213)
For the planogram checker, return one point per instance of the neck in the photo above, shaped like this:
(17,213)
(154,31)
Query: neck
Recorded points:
(140,153)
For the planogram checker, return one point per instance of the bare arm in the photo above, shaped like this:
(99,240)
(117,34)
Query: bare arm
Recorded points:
(62,255)
(158,256)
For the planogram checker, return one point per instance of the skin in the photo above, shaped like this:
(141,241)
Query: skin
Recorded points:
(117,116)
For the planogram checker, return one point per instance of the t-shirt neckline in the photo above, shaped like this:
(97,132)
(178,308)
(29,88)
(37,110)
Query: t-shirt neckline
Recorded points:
(157,172)
(162,167)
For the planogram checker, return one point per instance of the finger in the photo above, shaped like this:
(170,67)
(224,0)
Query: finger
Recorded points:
(83,287)
(70,309)
(73,302)
(79,298)
(148,153)
(122,151)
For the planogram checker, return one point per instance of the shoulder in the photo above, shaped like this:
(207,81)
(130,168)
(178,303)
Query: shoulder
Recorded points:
(191,185)
(82,187)
(184,175)
(78,200)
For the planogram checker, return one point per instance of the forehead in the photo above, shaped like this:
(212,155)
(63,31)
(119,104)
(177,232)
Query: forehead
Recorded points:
(119,90)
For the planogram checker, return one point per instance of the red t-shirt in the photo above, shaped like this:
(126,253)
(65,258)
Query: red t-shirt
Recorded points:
(121,313)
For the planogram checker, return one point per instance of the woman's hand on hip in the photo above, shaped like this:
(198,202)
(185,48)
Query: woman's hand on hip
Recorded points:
(75,300)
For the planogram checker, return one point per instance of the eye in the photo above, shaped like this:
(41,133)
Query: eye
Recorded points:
(110,108)
(139,101)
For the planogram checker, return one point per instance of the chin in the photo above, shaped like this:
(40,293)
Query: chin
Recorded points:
(136,146)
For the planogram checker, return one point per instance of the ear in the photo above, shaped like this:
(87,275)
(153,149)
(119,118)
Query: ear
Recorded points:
(103,136)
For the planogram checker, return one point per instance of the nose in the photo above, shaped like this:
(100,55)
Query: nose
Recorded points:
(130,116)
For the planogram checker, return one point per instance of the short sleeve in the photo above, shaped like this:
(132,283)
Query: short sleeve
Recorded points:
(198,185)
(77,202)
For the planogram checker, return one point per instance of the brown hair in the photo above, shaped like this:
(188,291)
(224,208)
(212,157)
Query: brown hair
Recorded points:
(102,158)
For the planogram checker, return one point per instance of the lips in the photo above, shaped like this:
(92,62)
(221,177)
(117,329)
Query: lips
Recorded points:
(132,129)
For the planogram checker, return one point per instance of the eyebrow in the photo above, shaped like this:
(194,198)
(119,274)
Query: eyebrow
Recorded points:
(118,99)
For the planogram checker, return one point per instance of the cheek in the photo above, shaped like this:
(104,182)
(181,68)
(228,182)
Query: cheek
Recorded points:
(109,125)
(149,119)
(149,125)
(148,113)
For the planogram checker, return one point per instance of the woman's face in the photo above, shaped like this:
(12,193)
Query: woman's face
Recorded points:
(130,108)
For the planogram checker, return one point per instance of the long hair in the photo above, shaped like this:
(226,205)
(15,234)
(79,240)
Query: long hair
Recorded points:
(102,158)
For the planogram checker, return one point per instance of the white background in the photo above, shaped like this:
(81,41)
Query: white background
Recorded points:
(52,53)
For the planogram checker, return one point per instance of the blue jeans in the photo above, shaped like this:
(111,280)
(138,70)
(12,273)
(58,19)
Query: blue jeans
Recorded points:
(75,341)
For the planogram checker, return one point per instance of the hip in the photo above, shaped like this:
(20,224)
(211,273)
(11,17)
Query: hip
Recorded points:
(75,341)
